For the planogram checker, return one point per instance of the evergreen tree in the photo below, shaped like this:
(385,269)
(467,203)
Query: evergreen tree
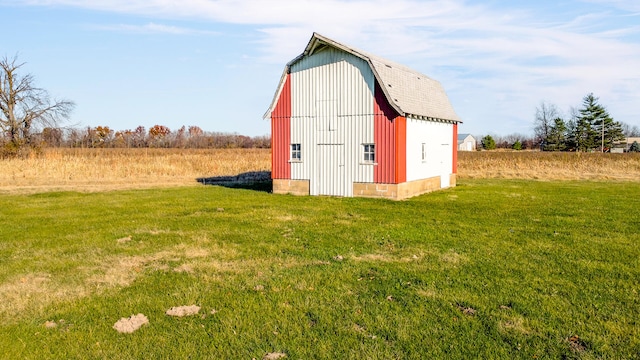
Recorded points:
(584,136)
(517,145)
(613,134)
(635,147)
(596,128)
(557,138)
(488,143)
(570,139)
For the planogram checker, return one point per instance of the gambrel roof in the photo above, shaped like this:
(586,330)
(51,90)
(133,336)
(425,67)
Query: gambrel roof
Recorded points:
(409,92)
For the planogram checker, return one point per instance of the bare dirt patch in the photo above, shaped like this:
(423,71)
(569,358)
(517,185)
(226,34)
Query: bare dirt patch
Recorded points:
(124,240)
(467,310)
(427,293)
(38,290)
(385,258)
(50,324)
(181,311)
(374,257)
(184,268)
(33,291)
(513,324)
(121,271)
(28,293)
(452,257)
(130,324)
(274,356)
(577,344)
(361,329)
(194,252)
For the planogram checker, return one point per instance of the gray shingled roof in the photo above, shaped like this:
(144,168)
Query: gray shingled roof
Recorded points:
(407,91)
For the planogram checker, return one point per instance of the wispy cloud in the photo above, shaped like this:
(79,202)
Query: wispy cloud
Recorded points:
(153,28)
(627,5)
(512,57)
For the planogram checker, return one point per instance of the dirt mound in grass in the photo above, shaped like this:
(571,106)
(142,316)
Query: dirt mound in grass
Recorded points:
(130,324)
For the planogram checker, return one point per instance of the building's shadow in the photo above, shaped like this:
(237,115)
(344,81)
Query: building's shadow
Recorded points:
(252,180)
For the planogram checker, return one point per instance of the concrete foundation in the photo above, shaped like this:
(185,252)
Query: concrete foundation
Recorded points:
(386,191)
(400,191)
(294,187)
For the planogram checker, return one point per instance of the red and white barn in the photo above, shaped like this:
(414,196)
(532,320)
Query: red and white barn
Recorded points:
(348,123)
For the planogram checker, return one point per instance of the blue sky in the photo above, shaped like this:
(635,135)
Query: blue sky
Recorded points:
(216,63)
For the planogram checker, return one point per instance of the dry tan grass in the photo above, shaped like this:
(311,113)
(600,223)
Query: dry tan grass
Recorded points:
(109,169)
(112,169)
(548,165)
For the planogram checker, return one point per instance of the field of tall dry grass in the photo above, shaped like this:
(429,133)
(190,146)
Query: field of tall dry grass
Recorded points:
(111,169)
(548,165)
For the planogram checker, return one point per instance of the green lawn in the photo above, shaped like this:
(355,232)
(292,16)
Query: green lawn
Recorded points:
(489,269)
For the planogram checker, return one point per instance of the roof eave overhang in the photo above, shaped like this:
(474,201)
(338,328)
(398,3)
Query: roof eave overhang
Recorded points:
(435,119)
(283,79)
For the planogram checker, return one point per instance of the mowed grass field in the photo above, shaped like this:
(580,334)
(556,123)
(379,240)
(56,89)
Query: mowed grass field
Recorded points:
(494,268)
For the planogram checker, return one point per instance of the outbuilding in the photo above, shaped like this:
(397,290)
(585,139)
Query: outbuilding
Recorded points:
(348,123)
(466,142)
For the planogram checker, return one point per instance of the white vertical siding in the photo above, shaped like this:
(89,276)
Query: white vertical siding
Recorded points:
(437,137)
(332,104)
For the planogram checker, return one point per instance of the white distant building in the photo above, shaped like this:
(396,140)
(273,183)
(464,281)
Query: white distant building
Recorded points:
(630,141)
(466,142)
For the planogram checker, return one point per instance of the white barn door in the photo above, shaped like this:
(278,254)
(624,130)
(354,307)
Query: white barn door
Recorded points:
(330,175)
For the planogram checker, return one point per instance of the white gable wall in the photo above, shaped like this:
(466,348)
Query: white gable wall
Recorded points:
(331,117)
(438,140)
(467,144)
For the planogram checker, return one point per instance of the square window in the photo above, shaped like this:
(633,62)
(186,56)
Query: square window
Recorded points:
(296,153)
(369,154)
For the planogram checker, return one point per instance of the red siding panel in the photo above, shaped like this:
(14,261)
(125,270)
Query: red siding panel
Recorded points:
(401,149)
(281,133)
(385,136)
(455,149)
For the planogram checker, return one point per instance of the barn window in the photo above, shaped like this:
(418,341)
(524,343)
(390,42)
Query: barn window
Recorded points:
(296,153)
(369,154)
(424,152)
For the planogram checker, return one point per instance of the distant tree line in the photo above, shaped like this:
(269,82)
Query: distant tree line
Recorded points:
(589,128)
(30,118)
(158,136)
(511,141)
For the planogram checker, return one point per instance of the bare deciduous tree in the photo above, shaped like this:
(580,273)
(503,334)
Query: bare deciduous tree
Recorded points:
(24,107)
(545,116)
(630,130)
